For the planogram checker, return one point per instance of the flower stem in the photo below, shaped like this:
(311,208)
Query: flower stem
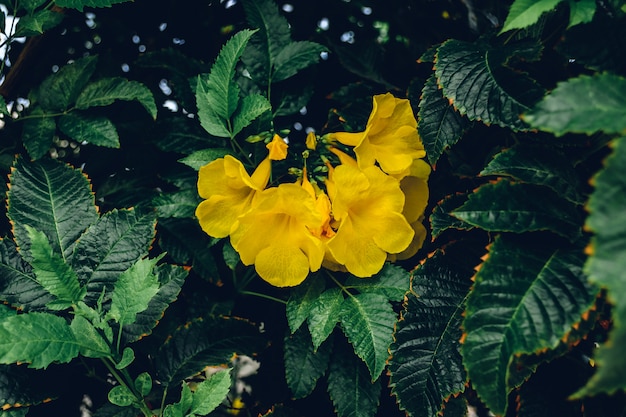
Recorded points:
(268,297)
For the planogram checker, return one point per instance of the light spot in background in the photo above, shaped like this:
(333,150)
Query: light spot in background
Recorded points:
(347,37)
(324,23)
(55,68)
(303,111)
(165,88)
(171,105)
(229,3)
(142,48)
(136,39)
(288,8)
(297,126)
(88,44)
(366,10)
(324,55)
(162,27)
(125,67)
(178,41)
(90,20)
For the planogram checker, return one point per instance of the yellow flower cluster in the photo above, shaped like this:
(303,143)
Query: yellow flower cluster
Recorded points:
(371,210)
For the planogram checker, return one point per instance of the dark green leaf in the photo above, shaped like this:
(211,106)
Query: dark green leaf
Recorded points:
(526,297)
(93,344)
(210,393)
(176,204)
(109,247)
(304,366)
(441,218)
(440,125)
(202,342)
(524,13)
(200,158)
(60,90)
(585,104)
(38,22)
(31,5)
(368,320)
(392,281)
(294,57)
(121,395)
(324,315)
(581,11)
(21,388)
(38,133)
(80,4)
(519,208)
(426,365)
(112,410)
(143,383)
(250,108)
(181,408)
(53,198)
(476,81)
(107,90)
(302,301)
(537,165)
(95,130)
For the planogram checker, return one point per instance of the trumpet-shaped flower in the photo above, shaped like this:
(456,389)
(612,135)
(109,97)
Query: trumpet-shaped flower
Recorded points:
(367,209)
(390,137)
(228,191)
(276,235)
(278,148)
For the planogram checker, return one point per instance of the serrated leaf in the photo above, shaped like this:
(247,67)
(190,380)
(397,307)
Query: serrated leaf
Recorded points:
(181,203)
(60,90)
(517,207)
(80,4)
(368,320)
(537,165)
(526,297)
(524,13)
(38,339)
(210,393)
(426,365)
(605,267)
(143,383)
(121,395)
(202,157)
(180,408)
(440,126)
(476,81)
(18,285)
(38,22)
(21,387)
(217,95)
(105,91)
(392,281)
(324,315)
(109,247)
(250,108)
(585,104)
(302,301)
(581,11)
(93,344)
(53,198)
(133,291)
(294,57)
(441,218)
(304,366)
(95,130)
(202,342)
(350,386)
(54,275)
(38,133)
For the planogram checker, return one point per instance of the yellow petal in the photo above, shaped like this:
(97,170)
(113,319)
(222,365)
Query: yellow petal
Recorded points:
(311,141)
(278,148)
(347,138)
(282,265)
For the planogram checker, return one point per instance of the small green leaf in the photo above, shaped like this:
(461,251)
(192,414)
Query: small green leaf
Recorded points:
(251,107)
(585,104)
(392,281)
(128,357)
(294,57)
(303,366)
(143,383)
(202,157)
(95,130)
(38,133)
(302,301)
(80,4)
(210,393)
(133,291)
(519,208)
(324,315)
(60,90)
(121,396)
(524,13)
(368,320)
(231,257)
(581,11)
(107,90)
(181,408)
(92,344)
(3,103)
(38,22)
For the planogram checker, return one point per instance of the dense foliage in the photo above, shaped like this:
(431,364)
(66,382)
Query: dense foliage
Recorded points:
(225,208)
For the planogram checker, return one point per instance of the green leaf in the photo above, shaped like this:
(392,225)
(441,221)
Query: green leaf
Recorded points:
(95,130)
(143,383)
(392,281)
(324,315)
(107,90)
(109,247)
(519,208)
(21,388)
(537,165)
(31,5)
(202,342)
(3,103)
(440,126)
(585,104)
(581,11)
(294,57)
(128,357)
(92,344)
(133,291)
(476,81)
(181,408)
(217,94)
(350,386)
(54,275)
(304,366)
(302,301)
(80,4)
(526,297)
(202,157)
(53,198)
(122,396)
(38,22)
(60,90)
(441,218)
(176,204)
(606,265)
(210,393)
(250,108)
(38,133)
(37,339)
(368,320)
(426,365)
(18,285)
(524,13)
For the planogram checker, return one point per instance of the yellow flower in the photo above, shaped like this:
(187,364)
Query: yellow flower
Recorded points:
(311,141)
(390,137)
(276,235)
(228,191)
(367,210)
(278,148)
